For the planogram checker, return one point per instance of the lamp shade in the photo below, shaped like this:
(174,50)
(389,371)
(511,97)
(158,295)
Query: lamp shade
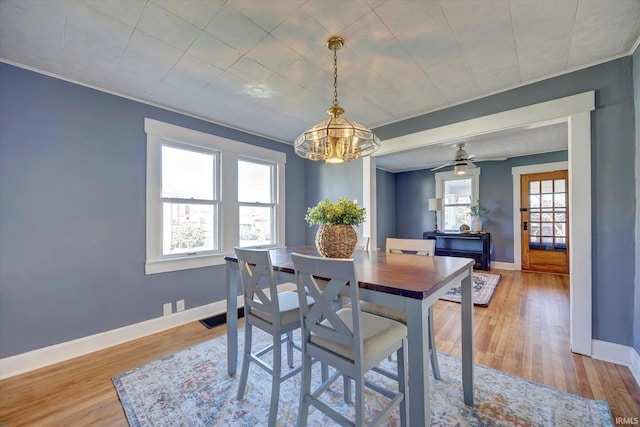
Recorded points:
(460,169)
(435,204)
(336,140)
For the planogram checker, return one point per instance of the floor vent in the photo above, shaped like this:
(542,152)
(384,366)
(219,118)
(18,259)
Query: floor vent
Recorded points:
(219,319)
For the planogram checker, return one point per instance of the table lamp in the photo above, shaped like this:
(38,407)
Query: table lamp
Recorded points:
(435,205)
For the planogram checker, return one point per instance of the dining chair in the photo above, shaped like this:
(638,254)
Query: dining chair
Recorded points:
(277,314)
(425,247)
(362,244)
(349,340)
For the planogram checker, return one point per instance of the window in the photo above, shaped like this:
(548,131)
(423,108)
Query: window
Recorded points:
(207,194)
(456,203)
(458,193)
(190,201)
(256,199)
(548,214)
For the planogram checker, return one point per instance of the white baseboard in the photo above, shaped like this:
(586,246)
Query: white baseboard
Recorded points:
(36,359)
(635,365)
(18,364)
(618,354)
(503,265)
(21,363)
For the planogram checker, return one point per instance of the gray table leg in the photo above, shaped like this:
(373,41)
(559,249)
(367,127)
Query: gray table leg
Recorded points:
(419,381)
(467,338)
(232,317)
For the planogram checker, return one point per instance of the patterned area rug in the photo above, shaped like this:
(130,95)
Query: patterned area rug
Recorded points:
(192,388)
(484,285)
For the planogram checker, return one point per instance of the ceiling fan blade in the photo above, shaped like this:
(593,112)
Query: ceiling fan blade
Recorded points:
(490,159)
(470,164)
(442,166)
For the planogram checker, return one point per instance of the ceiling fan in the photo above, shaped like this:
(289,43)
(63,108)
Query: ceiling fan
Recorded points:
(462,161)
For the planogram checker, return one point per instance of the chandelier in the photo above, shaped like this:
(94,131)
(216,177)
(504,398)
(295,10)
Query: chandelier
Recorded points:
(336,139)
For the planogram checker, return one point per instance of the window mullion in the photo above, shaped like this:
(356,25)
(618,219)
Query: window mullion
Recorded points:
(258,204)
(189,201)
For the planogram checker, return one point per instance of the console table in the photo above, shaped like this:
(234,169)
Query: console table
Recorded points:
(466,245)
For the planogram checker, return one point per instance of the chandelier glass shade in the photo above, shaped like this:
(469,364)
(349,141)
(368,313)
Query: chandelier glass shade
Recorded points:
(336,139)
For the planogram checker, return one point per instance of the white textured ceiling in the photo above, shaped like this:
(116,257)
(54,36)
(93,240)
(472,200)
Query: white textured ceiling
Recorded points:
(263,66)
(533,139)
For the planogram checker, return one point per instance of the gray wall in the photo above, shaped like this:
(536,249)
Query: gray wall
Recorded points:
(636,96)
(385,207)
(413,190)
(613,178)
(324,181)
(330,181)
(412,193)
(72,194)
(72,216)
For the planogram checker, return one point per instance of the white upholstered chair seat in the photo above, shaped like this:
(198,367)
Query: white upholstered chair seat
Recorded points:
(377,333)
(289,308)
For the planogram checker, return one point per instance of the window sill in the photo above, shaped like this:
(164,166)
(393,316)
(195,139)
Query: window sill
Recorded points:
(177,264)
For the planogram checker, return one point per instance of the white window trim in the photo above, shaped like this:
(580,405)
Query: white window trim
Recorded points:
(473,173)
(157,132)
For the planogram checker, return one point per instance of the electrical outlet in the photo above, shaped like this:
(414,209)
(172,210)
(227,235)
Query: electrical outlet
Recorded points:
(167,309)
(180,305)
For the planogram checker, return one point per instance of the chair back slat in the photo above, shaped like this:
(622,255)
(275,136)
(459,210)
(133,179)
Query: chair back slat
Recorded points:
(417,246)
(256,274)
(340,272)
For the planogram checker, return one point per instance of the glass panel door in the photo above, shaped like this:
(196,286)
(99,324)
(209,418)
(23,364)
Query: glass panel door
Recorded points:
(548,215)
(544,217)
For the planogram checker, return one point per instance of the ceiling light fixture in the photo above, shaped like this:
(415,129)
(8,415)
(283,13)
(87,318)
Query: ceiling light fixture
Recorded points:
(257,90)
(336,139)
(460,168)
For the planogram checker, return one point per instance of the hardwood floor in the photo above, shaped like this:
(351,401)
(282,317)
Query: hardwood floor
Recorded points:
(524,331)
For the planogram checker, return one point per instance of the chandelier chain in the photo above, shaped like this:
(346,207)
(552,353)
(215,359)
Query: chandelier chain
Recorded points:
(336,140)
(335,77)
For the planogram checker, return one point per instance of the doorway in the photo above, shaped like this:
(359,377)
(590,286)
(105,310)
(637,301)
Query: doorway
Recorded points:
(576,109)
(544,222)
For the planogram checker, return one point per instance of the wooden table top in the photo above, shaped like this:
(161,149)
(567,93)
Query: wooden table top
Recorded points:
(412,276)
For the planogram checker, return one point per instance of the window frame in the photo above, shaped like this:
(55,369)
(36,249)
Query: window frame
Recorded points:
(274,196)
(159,133)
(215,200)
(441,177)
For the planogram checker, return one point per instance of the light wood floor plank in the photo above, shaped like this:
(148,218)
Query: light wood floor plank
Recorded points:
(524,331)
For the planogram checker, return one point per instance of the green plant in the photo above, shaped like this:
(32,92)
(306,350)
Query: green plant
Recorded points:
(479,211)
(344,212)
(187,237)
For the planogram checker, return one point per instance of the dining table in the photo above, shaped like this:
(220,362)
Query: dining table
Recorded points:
(397,280)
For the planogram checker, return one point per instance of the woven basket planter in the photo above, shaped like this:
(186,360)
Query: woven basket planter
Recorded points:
(336,241)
